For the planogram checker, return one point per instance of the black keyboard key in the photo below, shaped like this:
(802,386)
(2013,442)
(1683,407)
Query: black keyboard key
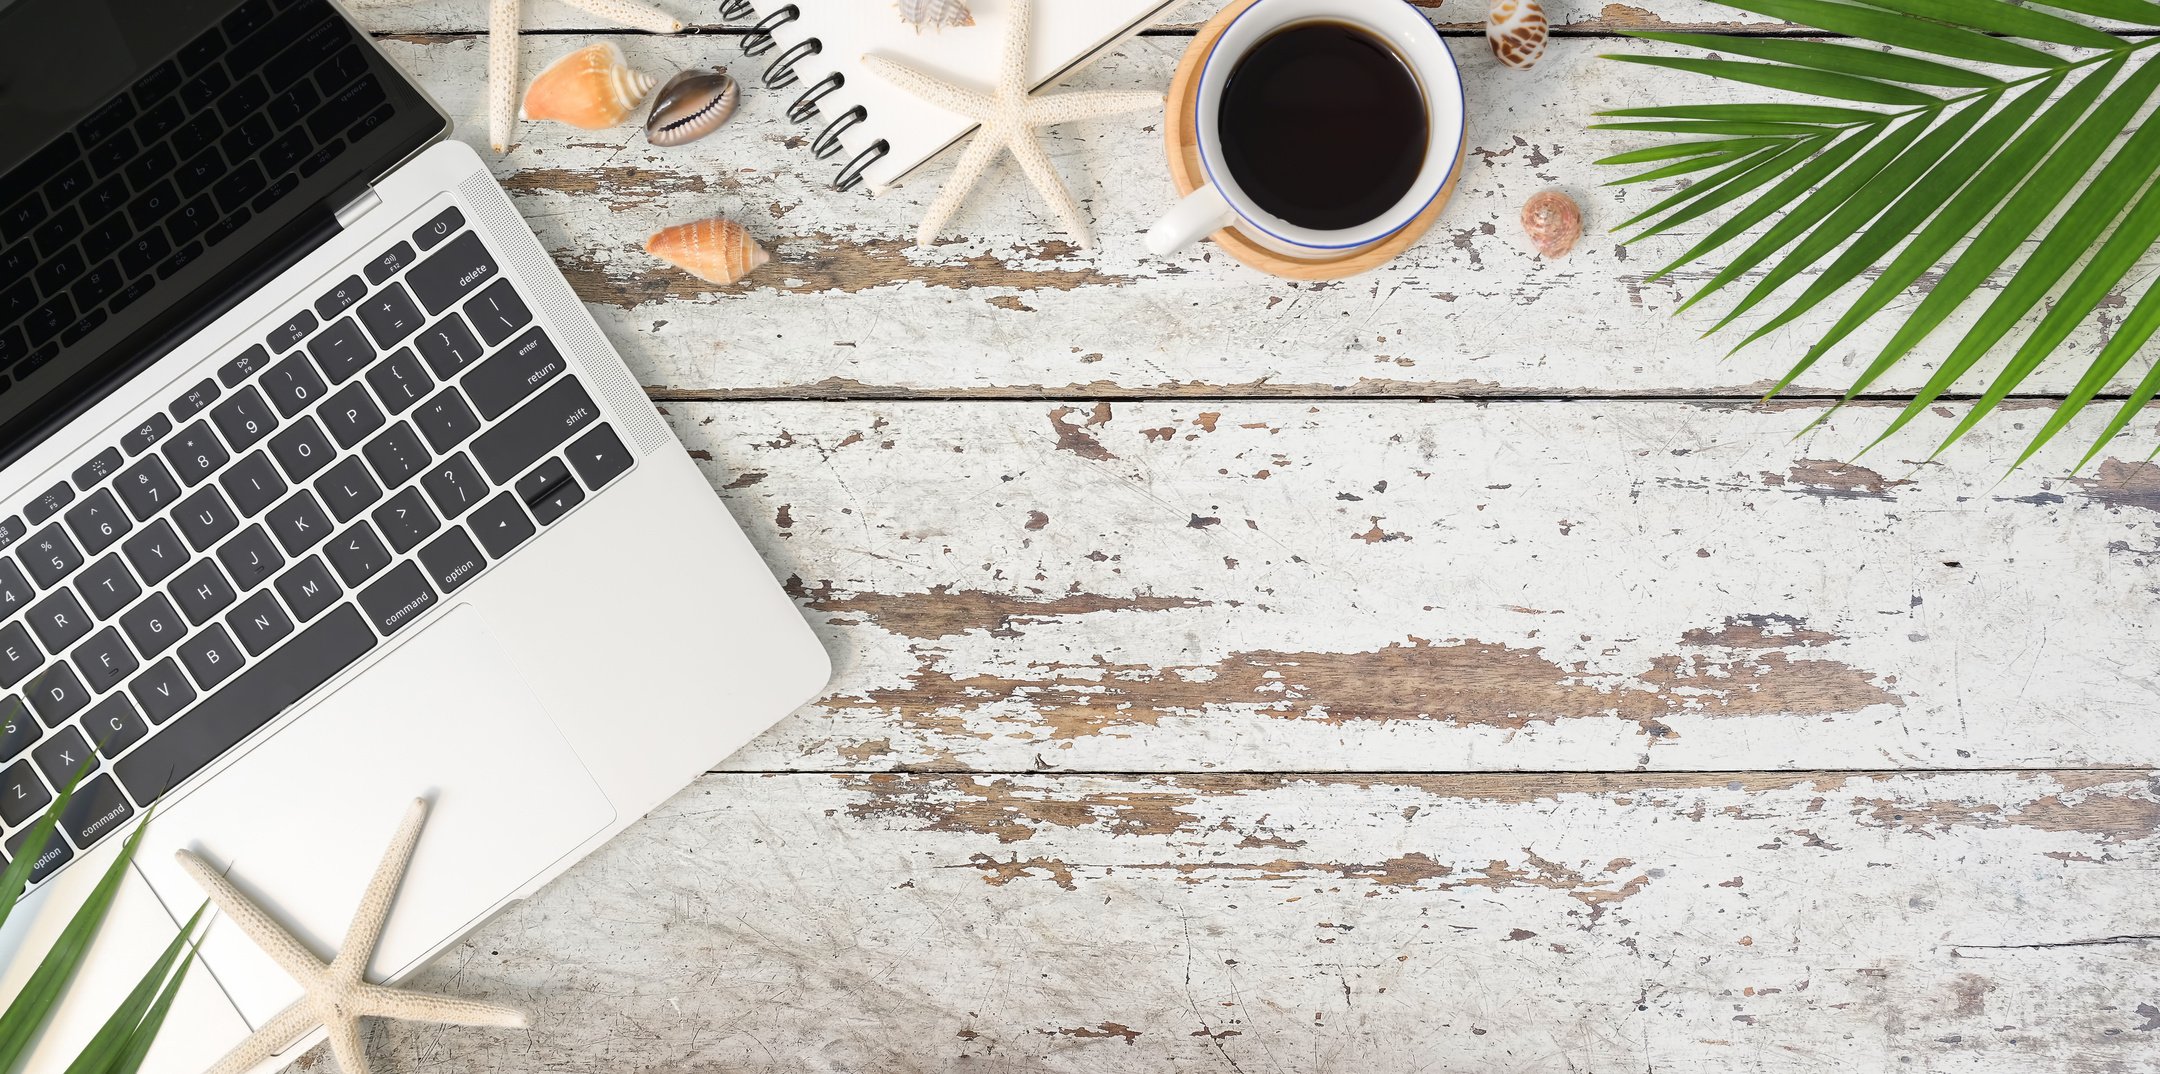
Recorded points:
(247,138)
(70,184)
(389,263)
(98,521)
(285,151)
(12,530)
(200,132)
(112,726)
(244,418)
(239,186)
(20,218)
(199,92)
(199,172)
(156,552)
(451,560)
(390,316)
(202,52)
(357,554)
(156,83)
(290,334)
(56,694)
(19,655)
(344,66)
(107,586)
(598,456)
(248,18)
(549,491)
(55,853)
(396,455)
(405,520)
(14,345)
(438,229)
(15,592)
(340,298)
(158,121)
(398,380)
(75,332)
(345,108)
(397,598)
(251,700)
(299,522)
(315,162)
(193,400)
(240,102)
(277,189)
(162,691)
(63,227)
(351,415)
(308,588)
(153,204)
(49,502)
(253,484)
(145,252)
(61,269)
(302,449)
(210,657)
(445,420)
(145,436)
(194,453)
(130,293)
(455,486)
(224,229)
(201,591)
(109,119)
(97,810)
(22,796)
(341,351)
(147,487)
(501,524)
(60,757)
(205,518)
(34,362)
(250,362)
(449,346)
(49,320)
(452,272)
(515,372)
(292,105)
(153,625)
(20,297)
(49,556)
(497,312)
(348,489)
(96,285)
(250,558)
(180,259)
(17,729)
(533,430)
(105,198)
(259,623)
(192,221)
(58,620)
(104,661)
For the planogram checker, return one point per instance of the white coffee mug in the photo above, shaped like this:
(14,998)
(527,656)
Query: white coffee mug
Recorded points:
(1220,203)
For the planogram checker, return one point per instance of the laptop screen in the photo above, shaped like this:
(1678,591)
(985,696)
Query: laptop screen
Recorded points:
(159,160)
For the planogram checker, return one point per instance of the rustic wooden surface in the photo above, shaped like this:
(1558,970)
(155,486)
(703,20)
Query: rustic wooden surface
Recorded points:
(1448,669)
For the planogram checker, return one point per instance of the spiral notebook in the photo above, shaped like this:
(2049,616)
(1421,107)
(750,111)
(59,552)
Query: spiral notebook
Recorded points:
(877,134)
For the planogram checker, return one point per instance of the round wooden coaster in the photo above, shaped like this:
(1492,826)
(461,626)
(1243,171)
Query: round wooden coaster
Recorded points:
(1186,172)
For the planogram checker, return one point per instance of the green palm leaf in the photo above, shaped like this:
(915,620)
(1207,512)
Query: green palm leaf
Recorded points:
(1951,169)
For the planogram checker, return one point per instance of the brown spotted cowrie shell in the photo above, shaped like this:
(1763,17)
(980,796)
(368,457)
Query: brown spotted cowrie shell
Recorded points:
(692,105)
(1516,31)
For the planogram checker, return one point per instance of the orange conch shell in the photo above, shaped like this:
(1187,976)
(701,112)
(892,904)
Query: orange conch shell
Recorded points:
(590,88)
(714,250)
(1516,31)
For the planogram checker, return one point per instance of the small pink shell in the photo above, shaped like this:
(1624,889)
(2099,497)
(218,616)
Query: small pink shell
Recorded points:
(1553,221)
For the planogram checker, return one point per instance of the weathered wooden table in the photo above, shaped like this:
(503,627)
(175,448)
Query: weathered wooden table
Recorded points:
(1447,669)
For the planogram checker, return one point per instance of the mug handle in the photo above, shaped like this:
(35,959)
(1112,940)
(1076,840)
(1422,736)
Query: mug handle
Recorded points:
(1195,214)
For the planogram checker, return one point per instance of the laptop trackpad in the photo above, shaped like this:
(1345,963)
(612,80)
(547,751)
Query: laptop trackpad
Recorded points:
(301,821)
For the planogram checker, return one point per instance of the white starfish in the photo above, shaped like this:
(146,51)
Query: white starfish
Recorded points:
(503,23)
(338,994)
(1009,115)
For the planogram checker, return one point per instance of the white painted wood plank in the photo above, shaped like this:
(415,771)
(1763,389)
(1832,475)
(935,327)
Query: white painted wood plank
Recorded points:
(1253,585)
(1983,923)
(1014,310)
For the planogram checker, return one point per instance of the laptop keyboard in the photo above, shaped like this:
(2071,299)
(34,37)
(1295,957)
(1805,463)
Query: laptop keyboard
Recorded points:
(174,165)
(372,454)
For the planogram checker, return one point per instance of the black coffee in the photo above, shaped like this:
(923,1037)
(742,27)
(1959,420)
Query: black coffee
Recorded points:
(1323,125)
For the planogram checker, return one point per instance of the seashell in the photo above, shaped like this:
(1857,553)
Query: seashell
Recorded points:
(1553,221)
(590,88)
(936,14)
(715,250)
(1516,31)
(692,105)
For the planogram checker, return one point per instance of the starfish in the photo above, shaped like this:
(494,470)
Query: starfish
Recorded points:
(338,996)
(1008,115)
(503,25)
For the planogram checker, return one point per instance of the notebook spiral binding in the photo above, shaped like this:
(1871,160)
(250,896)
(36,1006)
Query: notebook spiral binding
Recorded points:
(781,73)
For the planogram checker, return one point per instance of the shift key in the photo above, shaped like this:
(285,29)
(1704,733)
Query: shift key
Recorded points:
(533,430)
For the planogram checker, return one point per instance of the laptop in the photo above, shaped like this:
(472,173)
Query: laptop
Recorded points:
(320,491)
